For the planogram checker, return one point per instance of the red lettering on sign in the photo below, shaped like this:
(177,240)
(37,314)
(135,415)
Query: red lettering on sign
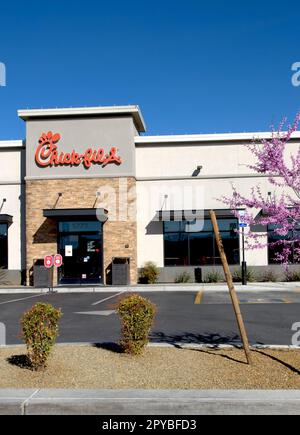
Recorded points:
(48,155)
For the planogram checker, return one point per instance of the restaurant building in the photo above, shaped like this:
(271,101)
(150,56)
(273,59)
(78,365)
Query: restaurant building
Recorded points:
(88,184)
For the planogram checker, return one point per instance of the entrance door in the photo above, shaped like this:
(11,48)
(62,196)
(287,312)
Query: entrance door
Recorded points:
(80,244)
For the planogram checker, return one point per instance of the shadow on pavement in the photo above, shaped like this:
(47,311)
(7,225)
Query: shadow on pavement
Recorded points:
(274,358)
(191,338)
(112,347)
(21,361)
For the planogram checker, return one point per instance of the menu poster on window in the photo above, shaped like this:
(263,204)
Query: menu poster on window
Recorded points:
(69,251)
(91,246)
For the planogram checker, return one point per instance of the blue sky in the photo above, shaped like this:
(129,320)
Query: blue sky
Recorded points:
(193,66)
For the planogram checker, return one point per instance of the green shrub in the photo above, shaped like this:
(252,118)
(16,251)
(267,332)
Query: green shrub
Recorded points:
(149,273)
(238,276)
(183,278)
(39,331)
(3,277)
(269,276)
(136,315)
(213,277)
(292,275)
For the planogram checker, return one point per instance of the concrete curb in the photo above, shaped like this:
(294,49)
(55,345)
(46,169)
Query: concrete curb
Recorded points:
(147,402)
(230,345)
(255,287)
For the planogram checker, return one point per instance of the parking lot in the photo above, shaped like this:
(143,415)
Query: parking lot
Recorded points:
(189,317)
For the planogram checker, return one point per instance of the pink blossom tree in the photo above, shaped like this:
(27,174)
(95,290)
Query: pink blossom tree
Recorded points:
(279,210)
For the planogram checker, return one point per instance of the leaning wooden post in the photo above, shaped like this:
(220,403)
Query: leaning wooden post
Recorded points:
(233,294)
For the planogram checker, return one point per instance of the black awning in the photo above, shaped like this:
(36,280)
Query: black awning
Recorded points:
(190,215)
(6,219)
(73,213)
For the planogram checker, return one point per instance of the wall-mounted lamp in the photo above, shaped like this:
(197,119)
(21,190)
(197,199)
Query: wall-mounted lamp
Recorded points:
(59,195)
(98,195)
(197,171)
(3,202)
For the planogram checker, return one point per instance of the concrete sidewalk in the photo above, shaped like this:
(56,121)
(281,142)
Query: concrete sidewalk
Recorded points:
(138,402)
(285,286)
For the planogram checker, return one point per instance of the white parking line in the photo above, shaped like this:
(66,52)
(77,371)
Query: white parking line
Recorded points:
(107,299)
(22,299)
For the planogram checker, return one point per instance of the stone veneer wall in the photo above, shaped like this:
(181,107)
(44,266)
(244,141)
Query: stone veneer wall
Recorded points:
(119,238)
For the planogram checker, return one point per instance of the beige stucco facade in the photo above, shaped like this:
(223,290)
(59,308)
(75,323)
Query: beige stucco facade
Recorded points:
(151,174)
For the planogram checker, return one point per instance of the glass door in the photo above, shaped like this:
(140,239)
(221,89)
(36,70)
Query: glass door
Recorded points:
(80,244)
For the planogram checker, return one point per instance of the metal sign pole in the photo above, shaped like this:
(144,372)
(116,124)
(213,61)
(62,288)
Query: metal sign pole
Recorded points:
(51,283)
(232,291)
(244,264)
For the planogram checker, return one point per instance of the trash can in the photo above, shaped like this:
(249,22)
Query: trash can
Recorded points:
(198,275)
(42,277)
(121,271)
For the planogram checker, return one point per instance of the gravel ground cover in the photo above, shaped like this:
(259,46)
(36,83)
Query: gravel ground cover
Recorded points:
(88,367)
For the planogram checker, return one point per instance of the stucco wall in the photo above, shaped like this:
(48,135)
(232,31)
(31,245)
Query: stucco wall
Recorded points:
(224,166)
(81,134)
(11,189)
(182,159)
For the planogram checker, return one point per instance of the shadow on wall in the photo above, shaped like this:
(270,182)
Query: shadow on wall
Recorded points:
(154,228)
(46,234)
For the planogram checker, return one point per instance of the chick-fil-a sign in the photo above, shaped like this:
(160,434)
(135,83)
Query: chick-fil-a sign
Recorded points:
(47,154)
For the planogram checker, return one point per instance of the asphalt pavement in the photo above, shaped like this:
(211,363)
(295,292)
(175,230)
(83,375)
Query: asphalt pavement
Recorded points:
(185,317)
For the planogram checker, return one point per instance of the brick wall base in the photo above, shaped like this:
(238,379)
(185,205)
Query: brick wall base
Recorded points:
(119,237)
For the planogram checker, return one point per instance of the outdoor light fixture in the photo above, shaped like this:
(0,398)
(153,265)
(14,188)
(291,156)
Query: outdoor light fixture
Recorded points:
(164,202)
(59,195)
(3,202)
(197,171)
(98,195)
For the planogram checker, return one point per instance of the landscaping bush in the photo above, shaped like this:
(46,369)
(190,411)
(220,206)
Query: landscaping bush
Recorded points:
(238,276)
(149,273)
(183,278)
(137,315)
(39,331)
(292,275)
(269,276)
(214,277)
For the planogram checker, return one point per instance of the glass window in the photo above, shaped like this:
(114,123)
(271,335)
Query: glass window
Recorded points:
(277,248)
(231,246)
(186,246)
(201,249)
(174,227)
(3,246)
(80,227)
(176,249)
